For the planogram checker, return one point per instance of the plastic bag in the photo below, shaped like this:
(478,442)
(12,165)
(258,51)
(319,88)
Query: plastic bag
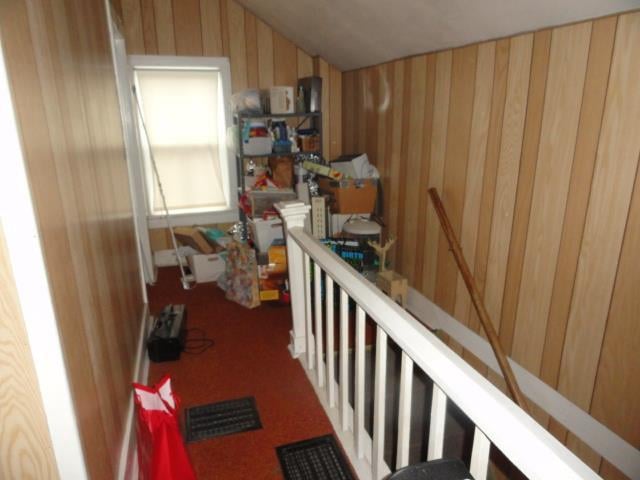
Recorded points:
(161,451)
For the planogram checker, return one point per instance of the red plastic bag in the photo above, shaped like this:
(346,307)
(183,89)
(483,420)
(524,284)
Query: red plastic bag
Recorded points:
(161,451)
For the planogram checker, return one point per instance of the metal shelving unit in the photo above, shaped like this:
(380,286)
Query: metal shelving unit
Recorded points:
(240,118)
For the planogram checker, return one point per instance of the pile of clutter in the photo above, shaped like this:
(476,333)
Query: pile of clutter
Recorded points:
(279,162)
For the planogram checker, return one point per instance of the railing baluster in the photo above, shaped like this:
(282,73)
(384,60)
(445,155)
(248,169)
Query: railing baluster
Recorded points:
(436,427)
(358,422)
(331,389)
(344,360)
(318,304)
(480,455)
(404,411)
(308,314)
(380,385)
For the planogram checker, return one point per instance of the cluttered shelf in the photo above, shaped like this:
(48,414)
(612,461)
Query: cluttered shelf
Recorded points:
(274,155)
(278,162)
(249,115)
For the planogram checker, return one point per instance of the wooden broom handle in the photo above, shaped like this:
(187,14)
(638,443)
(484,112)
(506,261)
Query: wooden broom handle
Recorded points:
(485,320)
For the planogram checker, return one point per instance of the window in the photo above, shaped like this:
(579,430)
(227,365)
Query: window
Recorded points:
(184,118)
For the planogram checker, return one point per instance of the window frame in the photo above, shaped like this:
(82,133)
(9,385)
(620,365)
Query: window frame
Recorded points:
(227,214)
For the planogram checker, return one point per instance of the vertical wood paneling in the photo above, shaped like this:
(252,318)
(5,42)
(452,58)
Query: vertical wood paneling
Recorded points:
(305,64)
(475,169)
(251,36)
(163,14)
(619,369)
(348,111)
(537,166)
(457,155)
(530,144)
(149,27)
(405,141)
(59,62)
(187,27)
(602,37)
(132,16)
(211,32)
(265,54)
(285,59)
(334,113)
(616,164)
(491,167)
(394,145)
(413,131)
(423,197)
(567,67)
(237,46)
(321,69)
(436,167)
(507,174)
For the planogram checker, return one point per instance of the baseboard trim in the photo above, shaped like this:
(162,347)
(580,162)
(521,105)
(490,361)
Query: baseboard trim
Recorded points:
(128,464)
(596,435)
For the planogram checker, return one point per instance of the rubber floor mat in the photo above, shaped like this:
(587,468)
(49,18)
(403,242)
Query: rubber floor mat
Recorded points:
(222,418)
(318,458)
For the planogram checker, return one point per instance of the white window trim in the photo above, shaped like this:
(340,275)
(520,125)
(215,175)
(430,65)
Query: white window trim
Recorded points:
(221,64)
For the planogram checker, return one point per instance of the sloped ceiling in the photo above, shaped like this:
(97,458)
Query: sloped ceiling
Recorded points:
(356,33)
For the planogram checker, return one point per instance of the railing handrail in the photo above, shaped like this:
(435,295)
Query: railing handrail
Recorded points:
(529,446)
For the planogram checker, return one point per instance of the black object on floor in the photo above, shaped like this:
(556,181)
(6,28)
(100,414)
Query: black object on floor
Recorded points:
(443,469)
(222,418)
(318,458)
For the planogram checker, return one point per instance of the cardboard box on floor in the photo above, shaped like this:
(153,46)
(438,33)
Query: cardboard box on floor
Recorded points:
(193,237)
(351,195)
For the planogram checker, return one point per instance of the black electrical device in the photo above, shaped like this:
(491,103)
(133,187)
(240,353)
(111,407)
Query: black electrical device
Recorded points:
(168,337)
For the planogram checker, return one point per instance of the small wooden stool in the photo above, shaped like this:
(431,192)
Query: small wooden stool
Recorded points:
(394,285)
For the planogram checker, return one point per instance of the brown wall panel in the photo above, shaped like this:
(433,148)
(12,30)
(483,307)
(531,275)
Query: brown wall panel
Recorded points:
(60,67)
(534,150)
(567,67)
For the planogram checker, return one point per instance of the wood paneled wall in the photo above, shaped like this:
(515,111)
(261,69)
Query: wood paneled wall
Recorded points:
(533,144)
(25,445)
(60,69)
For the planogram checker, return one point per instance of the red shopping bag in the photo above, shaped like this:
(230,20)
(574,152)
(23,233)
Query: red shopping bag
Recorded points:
(161,451)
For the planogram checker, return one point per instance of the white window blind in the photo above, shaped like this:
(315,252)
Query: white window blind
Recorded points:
(183,111)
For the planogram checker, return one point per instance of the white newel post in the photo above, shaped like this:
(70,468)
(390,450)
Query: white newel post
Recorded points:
(293,214)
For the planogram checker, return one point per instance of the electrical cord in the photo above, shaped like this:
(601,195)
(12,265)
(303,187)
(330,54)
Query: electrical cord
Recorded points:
(199,345)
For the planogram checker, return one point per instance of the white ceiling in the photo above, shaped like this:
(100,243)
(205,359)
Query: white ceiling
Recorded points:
(356,33)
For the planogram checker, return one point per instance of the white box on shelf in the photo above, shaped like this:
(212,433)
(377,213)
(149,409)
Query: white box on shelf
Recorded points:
(264,232)
(206,268)
(257,146)
(281,100)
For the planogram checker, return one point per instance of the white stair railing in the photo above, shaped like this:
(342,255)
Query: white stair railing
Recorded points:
(497,419)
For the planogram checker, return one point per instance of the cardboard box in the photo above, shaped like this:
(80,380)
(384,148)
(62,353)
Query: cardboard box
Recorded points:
(194,238)
(206,268)
(351,195)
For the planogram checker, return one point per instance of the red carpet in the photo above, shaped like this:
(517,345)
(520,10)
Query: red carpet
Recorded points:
(249,358)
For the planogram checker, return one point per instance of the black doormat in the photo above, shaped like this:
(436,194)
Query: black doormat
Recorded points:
(222,418)
(318,458)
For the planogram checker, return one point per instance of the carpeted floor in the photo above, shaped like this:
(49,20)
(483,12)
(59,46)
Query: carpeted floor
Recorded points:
(249,358)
